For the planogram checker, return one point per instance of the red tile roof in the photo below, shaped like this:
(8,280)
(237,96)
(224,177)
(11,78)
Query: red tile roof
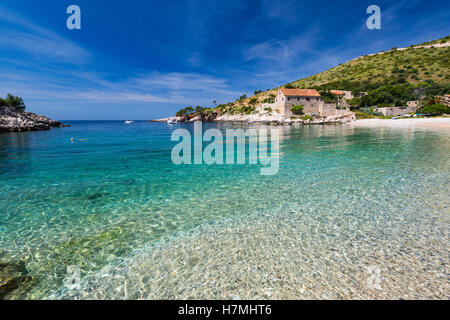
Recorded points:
(300,92)
(338,92)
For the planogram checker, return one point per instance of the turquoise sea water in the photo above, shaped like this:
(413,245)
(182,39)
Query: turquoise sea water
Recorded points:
(345,201)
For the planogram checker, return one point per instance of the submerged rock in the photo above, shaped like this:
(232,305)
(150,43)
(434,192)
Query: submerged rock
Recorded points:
(14,120)
(12,277)
(128,182)
(94,196)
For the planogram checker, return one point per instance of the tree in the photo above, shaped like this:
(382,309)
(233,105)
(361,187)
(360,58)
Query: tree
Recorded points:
(354,102)
(214,102)
(298,109)
(3,102)
(435,109)
(199,110)
(184,111)
(15,102)
(243,97)
(328,97)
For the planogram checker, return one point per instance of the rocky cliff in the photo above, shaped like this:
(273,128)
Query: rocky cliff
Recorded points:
(14,120)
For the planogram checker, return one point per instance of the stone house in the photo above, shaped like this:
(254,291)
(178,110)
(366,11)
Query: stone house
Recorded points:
(413,104)
(342,97)
(309,98)
(342,94)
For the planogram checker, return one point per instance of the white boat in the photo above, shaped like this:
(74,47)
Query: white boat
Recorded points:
(129,121)
(172,121)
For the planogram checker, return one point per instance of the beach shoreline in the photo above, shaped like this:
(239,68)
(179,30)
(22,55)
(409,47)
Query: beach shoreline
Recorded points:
(434,123)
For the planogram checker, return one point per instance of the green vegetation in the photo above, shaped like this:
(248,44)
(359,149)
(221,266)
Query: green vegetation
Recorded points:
(412,65)
(298,109)
(383,95)
(13,101)
(253,101)
(390,78)
(327,96)
(435,109)
(184,111)
(240,110)
(270,99)
(363,115)
(307,117)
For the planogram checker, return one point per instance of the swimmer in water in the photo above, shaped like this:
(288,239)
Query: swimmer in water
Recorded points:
(72,139)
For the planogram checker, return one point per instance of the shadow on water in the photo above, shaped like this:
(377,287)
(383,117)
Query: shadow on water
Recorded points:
(14,152)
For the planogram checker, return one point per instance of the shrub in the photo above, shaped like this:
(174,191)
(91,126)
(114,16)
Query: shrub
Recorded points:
(253,101)
(362,115)
(14,101)
(185,111)
(435,109)
(298,109)
(306,117)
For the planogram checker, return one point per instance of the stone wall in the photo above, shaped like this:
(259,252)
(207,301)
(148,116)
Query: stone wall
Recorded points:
(328,109)
(310,105)
(396,111)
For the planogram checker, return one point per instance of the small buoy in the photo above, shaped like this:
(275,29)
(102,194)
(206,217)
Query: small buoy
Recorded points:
(72,139)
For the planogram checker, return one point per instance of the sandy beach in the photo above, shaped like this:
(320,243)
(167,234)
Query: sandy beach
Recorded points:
(435,123)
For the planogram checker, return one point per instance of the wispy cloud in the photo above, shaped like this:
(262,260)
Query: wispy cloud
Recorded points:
(283,10)
(277,50)
(150,87)
(20,34)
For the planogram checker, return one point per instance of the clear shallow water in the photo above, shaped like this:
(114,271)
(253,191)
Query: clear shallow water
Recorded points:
(345,199)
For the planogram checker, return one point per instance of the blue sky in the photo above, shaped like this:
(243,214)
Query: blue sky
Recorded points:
(146,59)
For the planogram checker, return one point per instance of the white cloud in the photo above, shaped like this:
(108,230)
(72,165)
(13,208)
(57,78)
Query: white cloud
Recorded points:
(150,87)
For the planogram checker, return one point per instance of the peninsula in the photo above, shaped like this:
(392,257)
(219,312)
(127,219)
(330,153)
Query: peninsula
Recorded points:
(13,117)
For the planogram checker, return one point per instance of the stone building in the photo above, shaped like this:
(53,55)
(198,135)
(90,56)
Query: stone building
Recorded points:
(413,104)
(396,111)
(342,94)
(309,98)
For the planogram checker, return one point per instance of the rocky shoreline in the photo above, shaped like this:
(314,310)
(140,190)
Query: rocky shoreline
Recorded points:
(12,120)
(261,117)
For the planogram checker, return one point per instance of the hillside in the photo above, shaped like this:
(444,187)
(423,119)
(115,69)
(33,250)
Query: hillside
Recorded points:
(415,64)
(406,68)
(391,78)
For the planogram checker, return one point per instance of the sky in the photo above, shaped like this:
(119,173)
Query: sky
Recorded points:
(143,60)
